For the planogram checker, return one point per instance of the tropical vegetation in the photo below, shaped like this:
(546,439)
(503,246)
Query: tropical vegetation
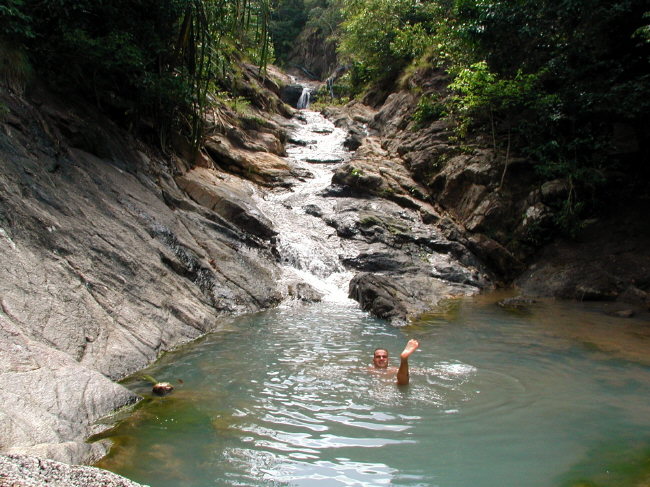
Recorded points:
(561,83)
(152,65)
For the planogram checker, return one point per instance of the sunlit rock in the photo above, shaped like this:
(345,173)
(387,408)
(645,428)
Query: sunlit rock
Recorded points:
(162,388)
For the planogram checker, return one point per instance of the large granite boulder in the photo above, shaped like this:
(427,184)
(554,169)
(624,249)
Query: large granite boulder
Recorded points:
(401,299)
(230,198)
(106,262)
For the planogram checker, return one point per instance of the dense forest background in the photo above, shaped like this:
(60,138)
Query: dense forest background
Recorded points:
(564,84)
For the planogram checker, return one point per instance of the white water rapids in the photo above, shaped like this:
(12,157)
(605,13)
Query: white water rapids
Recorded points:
(310,249)
(285,397)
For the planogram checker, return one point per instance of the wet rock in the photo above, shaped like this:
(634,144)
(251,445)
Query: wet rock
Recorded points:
(324,159)
(394,115)
(304,292)
(263,168)
(356,178)
(634,295)
(623,313)
(229,198)
(313,210)
(353,140)
(354,119)
(28,471)
(500,211)
(495,255)
(374,172)
(400,299)
(162,388)
(554,191)
(608,260)
(35,377)
(536,216)
(380,295)
(449,269)
(301,142)
(517,302)
(290,94)
(594,293)
(380,261)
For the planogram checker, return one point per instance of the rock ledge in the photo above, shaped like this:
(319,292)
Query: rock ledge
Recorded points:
(26,471)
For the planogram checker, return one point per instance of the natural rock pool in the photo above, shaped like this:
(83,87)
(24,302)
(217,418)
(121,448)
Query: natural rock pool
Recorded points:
(551,396)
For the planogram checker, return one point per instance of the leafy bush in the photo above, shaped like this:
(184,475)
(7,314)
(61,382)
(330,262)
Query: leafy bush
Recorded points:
(553,82)
(429,108)
(15,23)
(380,37)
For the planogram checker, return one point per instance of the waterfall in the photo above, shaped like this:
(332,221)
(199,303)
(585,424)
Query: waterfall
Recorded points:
(310,250)
(303,101)
(330,86)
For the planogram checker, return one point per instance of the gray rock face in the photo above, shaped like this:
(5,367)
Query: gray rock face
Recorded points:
(608,261)
(485,193)
(406,265)
(26,471)
(403,298)
(290,94)
(106,262)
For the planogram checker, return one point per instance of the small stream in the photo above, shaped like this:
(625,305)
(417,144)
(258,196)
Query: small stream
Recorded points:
(546,397)
(310,249)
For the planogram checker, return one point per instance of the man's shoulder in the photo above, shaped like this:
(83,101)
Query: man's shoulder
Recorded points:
(387,370)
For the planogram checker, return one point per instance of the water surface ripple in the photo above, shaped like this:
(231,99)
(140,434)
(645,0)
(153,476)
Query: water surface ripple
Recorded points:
(286,397)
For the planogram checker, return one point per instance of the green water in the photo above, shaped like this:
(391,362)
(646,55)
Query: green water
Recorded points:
(537,399)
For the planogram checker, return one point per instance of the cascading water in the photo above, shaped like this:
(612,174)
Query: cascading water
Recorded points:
(303,101)
(286,397)
(310,250)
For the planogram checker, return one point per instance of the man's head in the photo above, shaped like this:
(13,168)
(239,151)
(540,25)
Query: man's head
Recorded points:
(380,358)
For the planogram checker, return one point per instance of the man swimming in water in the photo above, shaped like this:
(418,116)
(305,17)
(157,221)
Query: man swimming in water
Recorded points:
(380,361)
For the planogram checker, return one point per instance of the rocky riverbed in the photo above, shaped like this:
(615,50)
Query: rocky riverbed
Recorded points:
(113,252)
(26,471)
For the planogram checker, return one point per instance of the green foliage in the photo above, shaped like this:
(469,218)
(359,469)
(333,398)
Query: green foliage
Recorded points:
(324,15)
(482,96)
(290,17)
(545,80)
(238,104)
(287,21)
(147,63)
(643,32)
(381,36)
(15,23)
(429,108)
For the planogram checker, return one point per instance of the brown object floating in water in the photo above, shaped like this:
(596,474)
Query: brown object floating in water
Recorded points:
(162,388)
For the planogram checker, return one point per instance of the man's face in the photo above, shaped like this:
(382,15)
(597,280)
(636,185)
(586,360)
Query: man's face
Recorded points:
(380,359)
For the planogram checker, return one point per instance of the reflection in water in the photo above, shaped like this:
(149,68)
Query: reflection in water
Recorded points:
(286,398)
